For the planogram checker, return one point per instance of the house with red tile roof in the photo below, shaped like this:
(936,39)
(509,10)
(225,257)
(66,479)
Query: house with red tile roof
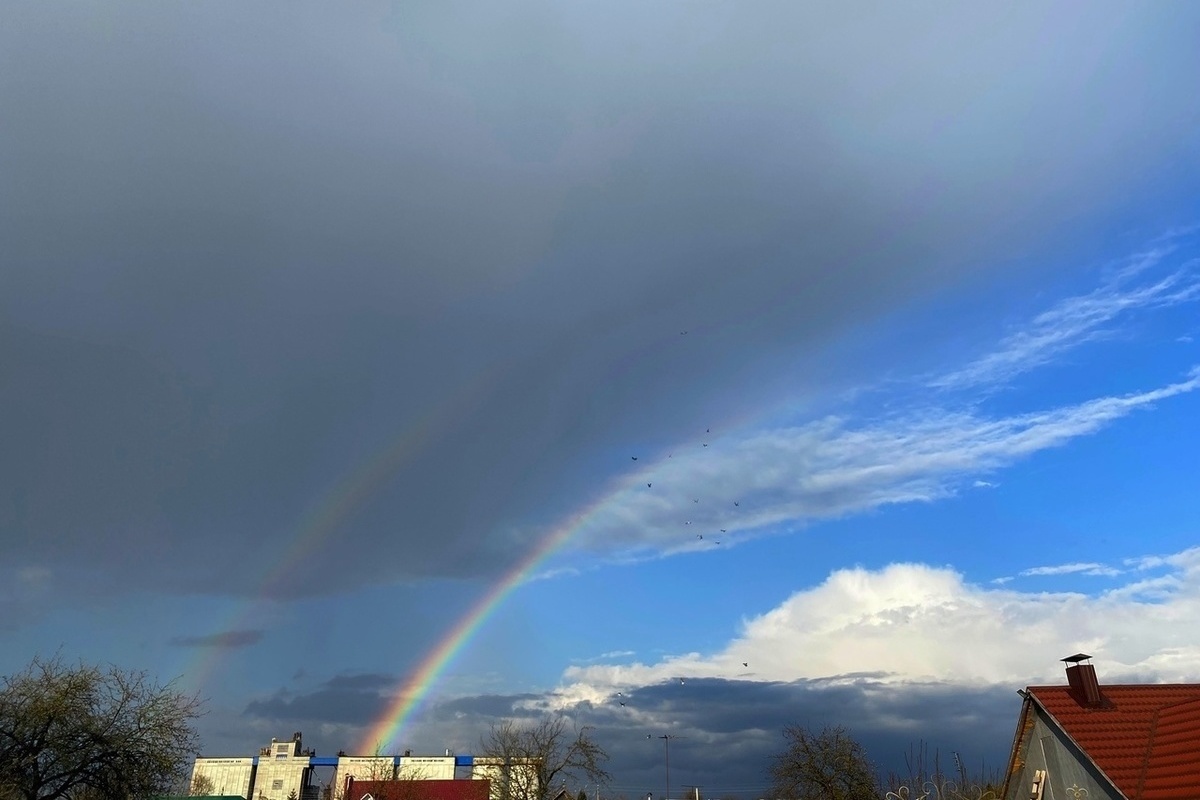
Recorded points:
(1087,741)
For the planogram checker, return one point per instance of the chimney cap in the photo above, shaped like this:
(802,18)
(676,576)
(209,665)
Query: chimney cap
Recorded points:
(1075,659)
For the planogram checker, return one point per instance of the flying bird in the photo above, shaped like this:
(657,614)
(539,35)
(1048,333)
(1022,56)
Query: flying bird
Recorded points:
(647,486)
(722,530)
(699,535)
(682,681)
(736,503)
(744,664)
(695,499)
(708,430)
(622,704)
(634,458)
(704,445)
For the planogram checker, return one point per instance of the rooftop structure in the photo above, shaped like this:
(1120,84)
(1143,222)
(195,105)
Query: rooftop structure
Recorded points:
(285,769)
(1118,741)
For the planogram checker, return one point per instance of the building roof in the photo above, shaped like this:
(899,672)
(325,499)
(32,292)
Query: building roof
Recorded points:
(1145,738)
(419,789)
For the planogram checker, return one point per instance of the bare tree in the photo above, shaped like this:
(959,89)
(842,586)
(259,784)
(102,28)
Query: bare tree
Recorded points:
(829,765)
(925,777)
(75,731)
(403,783)
(531,761)
(202,786)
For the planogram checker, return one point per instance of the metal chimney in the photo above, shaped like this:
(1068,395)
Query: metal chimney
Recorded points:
(1081,677)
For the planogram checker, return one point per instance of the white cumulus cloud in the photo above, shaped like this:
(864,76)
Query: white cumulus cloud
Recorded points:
(918,623)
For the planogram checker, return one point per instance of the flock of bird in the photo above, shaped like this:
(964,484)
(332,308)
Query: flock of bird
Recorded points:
(736,503)
(699,536)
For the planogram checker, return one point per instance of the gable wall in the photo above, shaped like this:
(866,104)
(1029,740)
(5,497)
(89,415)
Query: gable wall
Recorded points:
(1070,775)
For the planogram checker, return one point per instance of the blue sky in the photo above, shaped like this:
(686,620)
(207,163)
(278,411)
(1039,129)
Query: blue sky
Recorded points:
(315,324)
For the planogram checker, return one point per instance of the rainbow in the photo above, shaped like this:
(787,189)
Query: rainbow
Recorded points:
(344,499)
(413,691)
(340,503)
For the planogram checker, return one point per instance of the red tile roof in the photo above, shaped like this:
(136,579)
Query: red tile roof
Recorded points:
(1145,738)
(419,789)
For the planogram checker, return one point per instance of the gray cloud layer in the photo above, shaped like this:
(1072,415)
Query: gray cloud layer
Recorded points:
(728,729)
(247,248)
(224,639)
(345,698)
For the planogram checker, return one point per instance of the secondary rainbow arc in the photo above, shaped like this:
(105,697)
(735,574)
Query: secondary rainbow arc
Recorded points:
(338,504)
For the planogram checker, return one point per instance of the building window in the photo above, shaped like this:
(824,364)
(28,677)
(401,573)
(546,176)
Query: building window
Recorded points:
(276,785)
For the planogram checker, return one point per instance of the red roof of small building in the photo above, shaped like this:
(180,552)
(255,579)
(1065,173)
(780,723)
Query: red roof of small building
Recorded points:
(1145,738)
(448,789)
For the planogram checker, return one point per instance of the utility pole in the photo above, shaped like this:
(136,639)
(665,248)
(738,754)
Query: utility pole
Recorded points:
(666,737)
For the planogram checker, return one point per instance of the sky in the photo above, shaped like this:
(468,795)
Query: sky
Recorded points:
(385,371)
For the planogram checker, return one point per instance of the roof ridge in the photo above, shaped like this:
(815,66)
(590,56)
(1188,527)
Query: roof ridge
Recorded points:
(1104,685)
(1141,784)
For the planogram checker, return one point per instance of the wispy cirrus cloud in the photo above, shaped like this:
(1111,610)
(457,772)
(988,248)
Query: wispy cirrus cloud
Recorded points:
(766,481)
(787,477)
(1080,319)
(609,656)
(1090,568)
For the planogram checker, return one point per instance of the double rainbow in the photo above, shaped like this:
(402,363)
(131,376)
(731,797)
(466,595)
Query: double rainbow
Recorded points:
(340,502)
(407,700)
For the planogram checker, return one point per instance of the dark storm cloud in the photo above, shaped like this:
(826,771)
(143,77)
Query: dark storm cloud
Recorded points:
(354,699)
(225,640)
(728,730)
(247,250)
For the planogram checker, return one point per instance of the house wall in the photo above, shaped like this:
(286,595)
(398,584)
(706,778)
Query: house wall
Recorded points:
(363,768)
(277,778)
(284,767)
(521,774)
(229,776)
(427,768)
(1069,775)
